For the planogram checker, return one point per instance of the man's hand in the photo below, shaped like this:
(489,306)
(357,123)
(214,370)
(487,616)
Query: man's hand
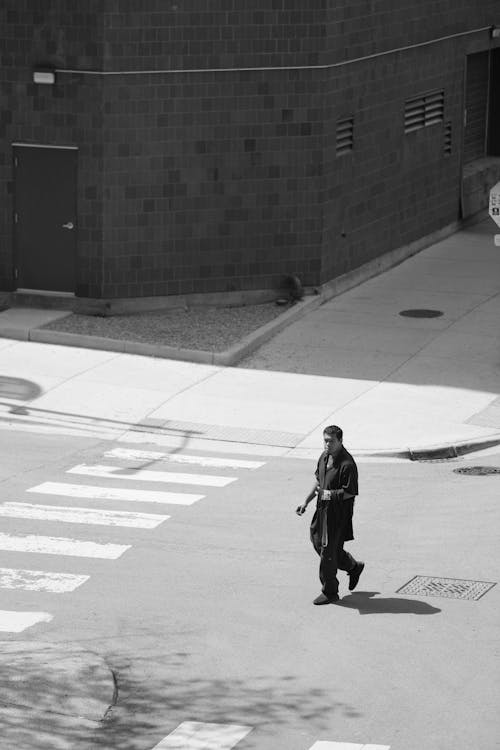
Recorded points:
(301,509)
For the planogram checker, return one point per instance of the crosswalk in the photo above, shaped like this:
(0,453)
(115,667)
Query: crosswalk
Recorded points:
(93,516)
(93,492)
(16,622)
(127,465)
(143,475)
(40,580)
(134,467)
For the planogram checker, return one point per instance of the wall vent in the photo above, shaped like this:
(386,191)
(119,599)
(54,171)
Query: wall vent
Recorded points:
(345,136)
(447,139)
(424,110)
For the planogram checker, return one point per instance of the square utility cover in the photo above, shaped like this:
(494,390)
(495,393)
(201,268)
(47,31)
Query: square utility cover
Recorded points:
(452,588)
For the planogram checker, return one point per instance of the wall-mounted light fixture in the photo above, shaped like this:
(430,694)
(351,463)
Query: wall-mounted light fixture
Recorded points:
(44,76)
(495,32)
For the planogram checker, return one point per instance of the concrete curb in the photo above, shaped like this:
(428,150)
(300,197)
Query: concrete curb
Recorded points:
(224,358)
(422,453)
(252,341)
(255,339)
(248,344)
(437,452)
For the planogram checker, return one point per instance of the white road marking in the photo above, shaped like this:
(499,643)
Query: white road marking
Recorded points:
(91,492)
(142,475)
(40,580)
(346,746)
(82,515)
(181,458)
(51,545)
(197,735)
(16,622)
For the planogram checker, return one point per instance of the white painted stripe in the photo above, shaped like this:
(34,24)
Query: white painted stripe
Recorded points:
(182,458)
(142,475)
(40,580)
(16,622)
(91,492)
(322,745)
(52,545)
(82,515)
(197,735)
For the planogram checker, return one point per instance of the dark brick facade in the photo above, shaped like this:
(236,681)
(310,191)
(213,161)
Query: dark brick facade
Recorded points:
(70,113)
(196,181)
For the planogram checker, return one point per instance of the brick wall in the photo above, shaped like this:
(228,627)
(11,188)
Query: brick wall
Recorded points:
(195,181)
(394,187)
(179,34)
(69,113)
(356,28)
(212,182)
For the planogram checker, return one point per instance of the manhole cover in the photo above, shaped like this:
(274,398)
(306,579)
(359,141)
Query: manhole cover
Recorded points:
(421,313)
(452,588)
(478,471)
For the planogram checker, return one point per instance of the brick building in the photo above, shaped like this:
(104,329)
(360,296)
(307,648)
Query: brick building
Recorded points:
(191,147)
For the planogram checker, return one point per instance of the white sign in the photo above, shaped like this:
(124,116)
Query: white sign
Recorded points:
(494,210)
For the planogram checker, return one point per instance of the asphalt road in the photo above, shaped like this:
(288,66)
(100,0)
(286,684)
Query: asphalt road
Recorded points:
(208,616)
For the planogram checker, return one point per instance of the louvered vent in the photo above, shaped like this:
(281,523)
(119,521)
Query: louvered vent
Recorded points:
(344,140)
(424,110)
(447,139)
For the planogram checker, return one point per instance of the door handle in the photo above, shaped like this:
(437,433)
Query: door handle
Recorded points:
(68,225)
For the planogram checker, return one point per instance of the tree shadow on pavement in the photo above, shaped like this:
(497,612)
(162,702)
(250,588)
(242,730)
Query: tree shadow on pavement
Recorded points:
(38,711)
(148,710)
(365,602)
(52,696)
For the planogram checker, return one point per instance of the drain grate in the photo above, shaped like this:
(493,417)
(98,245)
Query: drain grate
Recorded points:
(451,588)
(421,313)
(478,471)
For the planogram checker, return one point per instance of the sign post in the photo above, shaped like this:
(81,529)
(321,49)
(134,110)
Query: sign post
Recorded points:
(494,209)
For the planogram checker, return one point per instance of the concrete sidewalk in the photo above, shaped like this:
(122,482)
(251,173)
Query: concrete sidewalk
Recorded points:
(403,385)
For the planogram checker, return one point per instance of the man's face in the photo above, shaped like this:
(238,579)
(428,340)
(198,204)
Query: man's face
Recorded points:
(332,444)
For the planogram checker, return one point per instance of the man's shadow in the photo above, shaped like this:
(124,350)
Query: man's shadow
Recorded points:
(367,605)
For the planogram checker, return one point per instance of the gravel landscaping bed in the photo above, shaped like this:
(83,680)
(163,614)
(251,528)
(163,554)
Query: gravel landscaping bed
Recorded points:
(202,328)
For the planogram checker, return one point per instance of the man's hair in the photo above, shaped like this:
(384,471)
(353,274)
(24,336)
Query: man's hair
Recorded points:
(332,429)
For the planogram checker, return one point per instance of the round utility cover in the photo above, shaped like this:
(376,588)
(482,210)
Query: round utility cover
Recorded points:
(421,313)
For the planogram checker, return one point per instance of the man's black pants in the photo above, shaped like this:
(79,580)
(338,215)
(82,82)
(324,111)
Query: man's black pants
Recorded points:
(333,558)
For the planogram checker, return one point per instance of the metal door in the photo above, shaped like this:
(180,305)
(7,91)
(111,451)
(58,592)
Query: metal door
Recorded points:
(476,106)
(45,218)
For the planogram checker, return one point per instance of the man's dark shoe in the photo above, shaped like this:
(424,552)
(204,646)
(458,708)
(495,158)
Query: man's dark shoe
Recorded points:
(323,599)
(354,575)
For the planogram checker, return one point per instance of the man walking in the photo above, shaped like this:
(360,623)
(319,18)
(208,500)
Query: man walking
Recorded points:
(336,487)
